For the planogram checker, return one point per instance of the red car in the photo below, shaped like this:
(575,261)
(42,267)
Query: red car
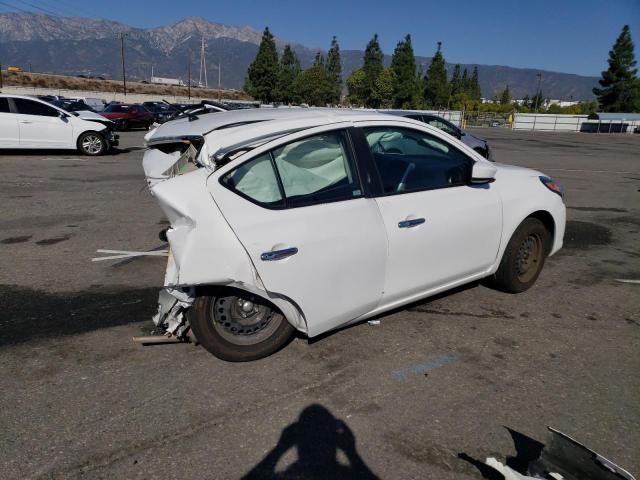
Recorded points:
(127,116)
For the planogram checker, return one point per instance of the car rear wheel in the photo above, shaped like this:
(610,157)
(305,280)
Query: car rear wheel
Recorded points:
(524,257)
(92,143)
(238,326)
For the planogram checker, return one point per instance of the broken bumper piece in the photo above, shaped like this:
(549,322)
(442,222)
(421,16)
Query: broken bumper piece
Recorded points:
(172,306)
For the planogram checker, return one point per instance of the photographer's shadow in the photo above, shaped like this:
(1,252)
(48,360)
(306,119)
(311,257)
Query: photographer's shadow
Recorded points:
(317,436)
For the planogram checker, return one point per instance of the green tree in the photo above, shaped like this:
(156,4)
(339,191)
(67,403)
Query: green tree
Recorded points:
(537,101)
(403,67)
(465,82)
(287,77)
(384,88)
(505,96)
(334,73)
(474,85)
(355,87)
(436,92)
(312,83)
(620,90)
(456,81)
(262,76)
(372,68)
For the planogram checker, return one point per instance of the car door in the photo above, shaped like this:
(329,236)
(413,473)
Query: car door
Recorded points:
(42,125)
(313,237)
(441,229)
(9,131)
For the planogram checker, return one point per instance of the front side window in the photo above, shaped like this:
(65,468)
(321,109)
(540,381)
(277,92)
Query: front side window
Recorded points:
(410,160)
(317,169)
(29,107)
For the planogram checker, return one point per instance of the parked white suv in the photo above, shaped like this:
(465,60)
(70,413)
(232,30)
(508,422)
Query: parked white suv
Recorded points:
(30,123)
(313,219)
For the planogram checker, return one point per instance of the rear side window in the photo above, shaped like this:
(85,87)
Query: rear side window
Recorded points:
(257,181)
(410,160)
(4,105)
(317,169)
(29,107)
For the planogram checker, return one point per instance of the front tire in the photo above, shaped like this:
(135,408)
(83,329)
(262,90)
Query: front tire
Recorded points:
(92,144)
(238,326)
(524,257)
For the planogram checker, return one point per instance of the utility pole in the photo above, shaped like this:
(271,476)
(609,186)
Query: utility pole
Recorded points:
(539,75)
(124,75)
(203,66)
(189,77)
(219,76)
(0,75)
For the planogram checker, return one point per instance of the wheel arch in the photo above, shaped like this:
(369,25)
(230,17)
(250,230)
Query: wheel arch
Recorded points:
(549,223)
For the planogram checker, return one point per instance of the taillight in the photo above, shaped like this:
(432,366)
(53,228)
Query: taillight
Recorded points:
(555,187)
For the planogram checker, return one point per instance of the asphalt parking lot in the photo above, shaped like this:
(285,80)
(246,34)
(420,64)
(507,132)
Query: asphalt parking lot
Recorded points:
(427,393)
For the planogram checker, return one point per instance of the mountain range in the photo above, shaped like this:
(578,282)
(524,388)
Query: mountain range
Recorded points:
(74,46)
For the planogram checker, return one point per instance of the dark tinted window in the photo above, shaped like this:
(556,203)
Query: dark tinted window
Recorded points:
(409,160)
(29,107)
(4,105)
(118,108)
(442,125)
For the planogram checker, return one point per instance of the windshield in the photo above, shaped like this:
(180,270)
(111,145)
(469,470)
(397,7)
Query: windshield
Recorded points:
(71,106)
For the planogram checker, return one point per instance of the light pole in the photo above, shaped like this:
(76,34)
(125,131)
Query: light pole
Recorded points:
(189,77)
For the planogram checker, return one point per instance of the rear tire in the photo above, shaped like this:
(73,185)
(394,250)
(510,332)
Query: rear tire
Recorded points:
(524,257)
(238,326)
(92,144)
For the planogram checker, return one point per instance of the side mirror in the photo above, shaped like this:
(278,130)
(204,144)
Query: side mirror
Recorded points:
(483,172)
(461,133)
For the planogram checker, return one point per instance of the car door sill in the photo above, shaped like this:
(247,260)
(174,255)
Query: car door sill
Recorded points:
(385,307)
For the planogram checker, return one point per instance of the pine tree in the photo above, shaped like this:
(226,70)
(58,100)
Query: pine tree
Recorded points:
(372,68)
(505,97)
(436,85)
(456,81)
(465,82)
(334,73)
(262,76)
(403,66)
(620,90)
(288,75)
(474,85)
(537,101)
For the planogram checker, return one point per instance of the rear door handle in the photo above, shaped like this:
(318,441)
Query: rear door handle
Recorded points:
(278,254)
(411,223)
(25,121)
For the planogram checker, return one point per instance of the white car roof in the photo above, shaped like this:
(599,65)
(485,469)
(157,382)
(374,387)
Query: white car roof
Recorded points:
(311,116)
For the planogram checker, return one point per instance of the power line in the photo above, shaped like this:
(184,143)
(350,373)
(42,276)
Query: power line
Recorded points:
(39,8)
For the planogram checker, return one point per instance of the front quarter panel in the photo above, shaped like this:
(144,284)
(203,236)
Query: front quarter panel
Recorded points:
(523,194)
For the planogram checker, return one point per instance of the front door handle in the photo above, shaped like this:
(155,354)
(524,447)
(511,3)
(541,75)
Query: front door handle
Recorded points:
(411,223)
(278,254)
(25,121)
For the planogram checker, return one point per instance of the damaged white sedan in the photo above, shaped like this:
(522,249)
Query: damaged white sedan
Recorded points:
(308,220)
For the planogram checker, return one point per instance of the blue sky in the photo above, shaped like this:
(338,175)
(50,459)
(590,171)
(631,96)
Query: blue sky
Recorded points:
(570,36)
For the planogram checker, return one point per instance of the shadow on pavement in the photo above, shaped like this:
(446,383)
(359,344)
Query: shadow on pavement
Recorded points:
(28,314)
(317,436)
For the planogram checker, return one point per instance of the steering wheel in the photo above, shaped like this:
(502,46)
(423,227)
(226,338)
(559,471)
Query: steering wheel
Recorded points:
(403,181)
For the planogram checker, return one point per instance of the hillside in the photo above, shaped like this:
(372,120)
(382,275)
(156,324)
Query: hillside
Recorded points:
(73,46)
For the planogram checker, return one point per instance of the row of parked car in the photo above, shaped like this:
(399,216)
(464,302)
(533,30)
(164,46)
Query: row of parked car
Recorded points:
(89,125)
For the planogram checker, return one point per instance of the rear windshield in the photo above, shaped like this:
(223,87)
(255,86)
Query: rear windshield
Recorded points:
(118,108)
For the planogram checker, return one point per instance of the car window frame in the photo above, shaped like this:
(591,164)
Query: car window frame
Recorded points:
(356,167)
(378,190)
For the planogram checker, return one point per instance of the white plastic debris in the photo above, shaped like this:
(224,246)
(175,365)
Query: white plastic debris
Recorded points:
(374,322)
